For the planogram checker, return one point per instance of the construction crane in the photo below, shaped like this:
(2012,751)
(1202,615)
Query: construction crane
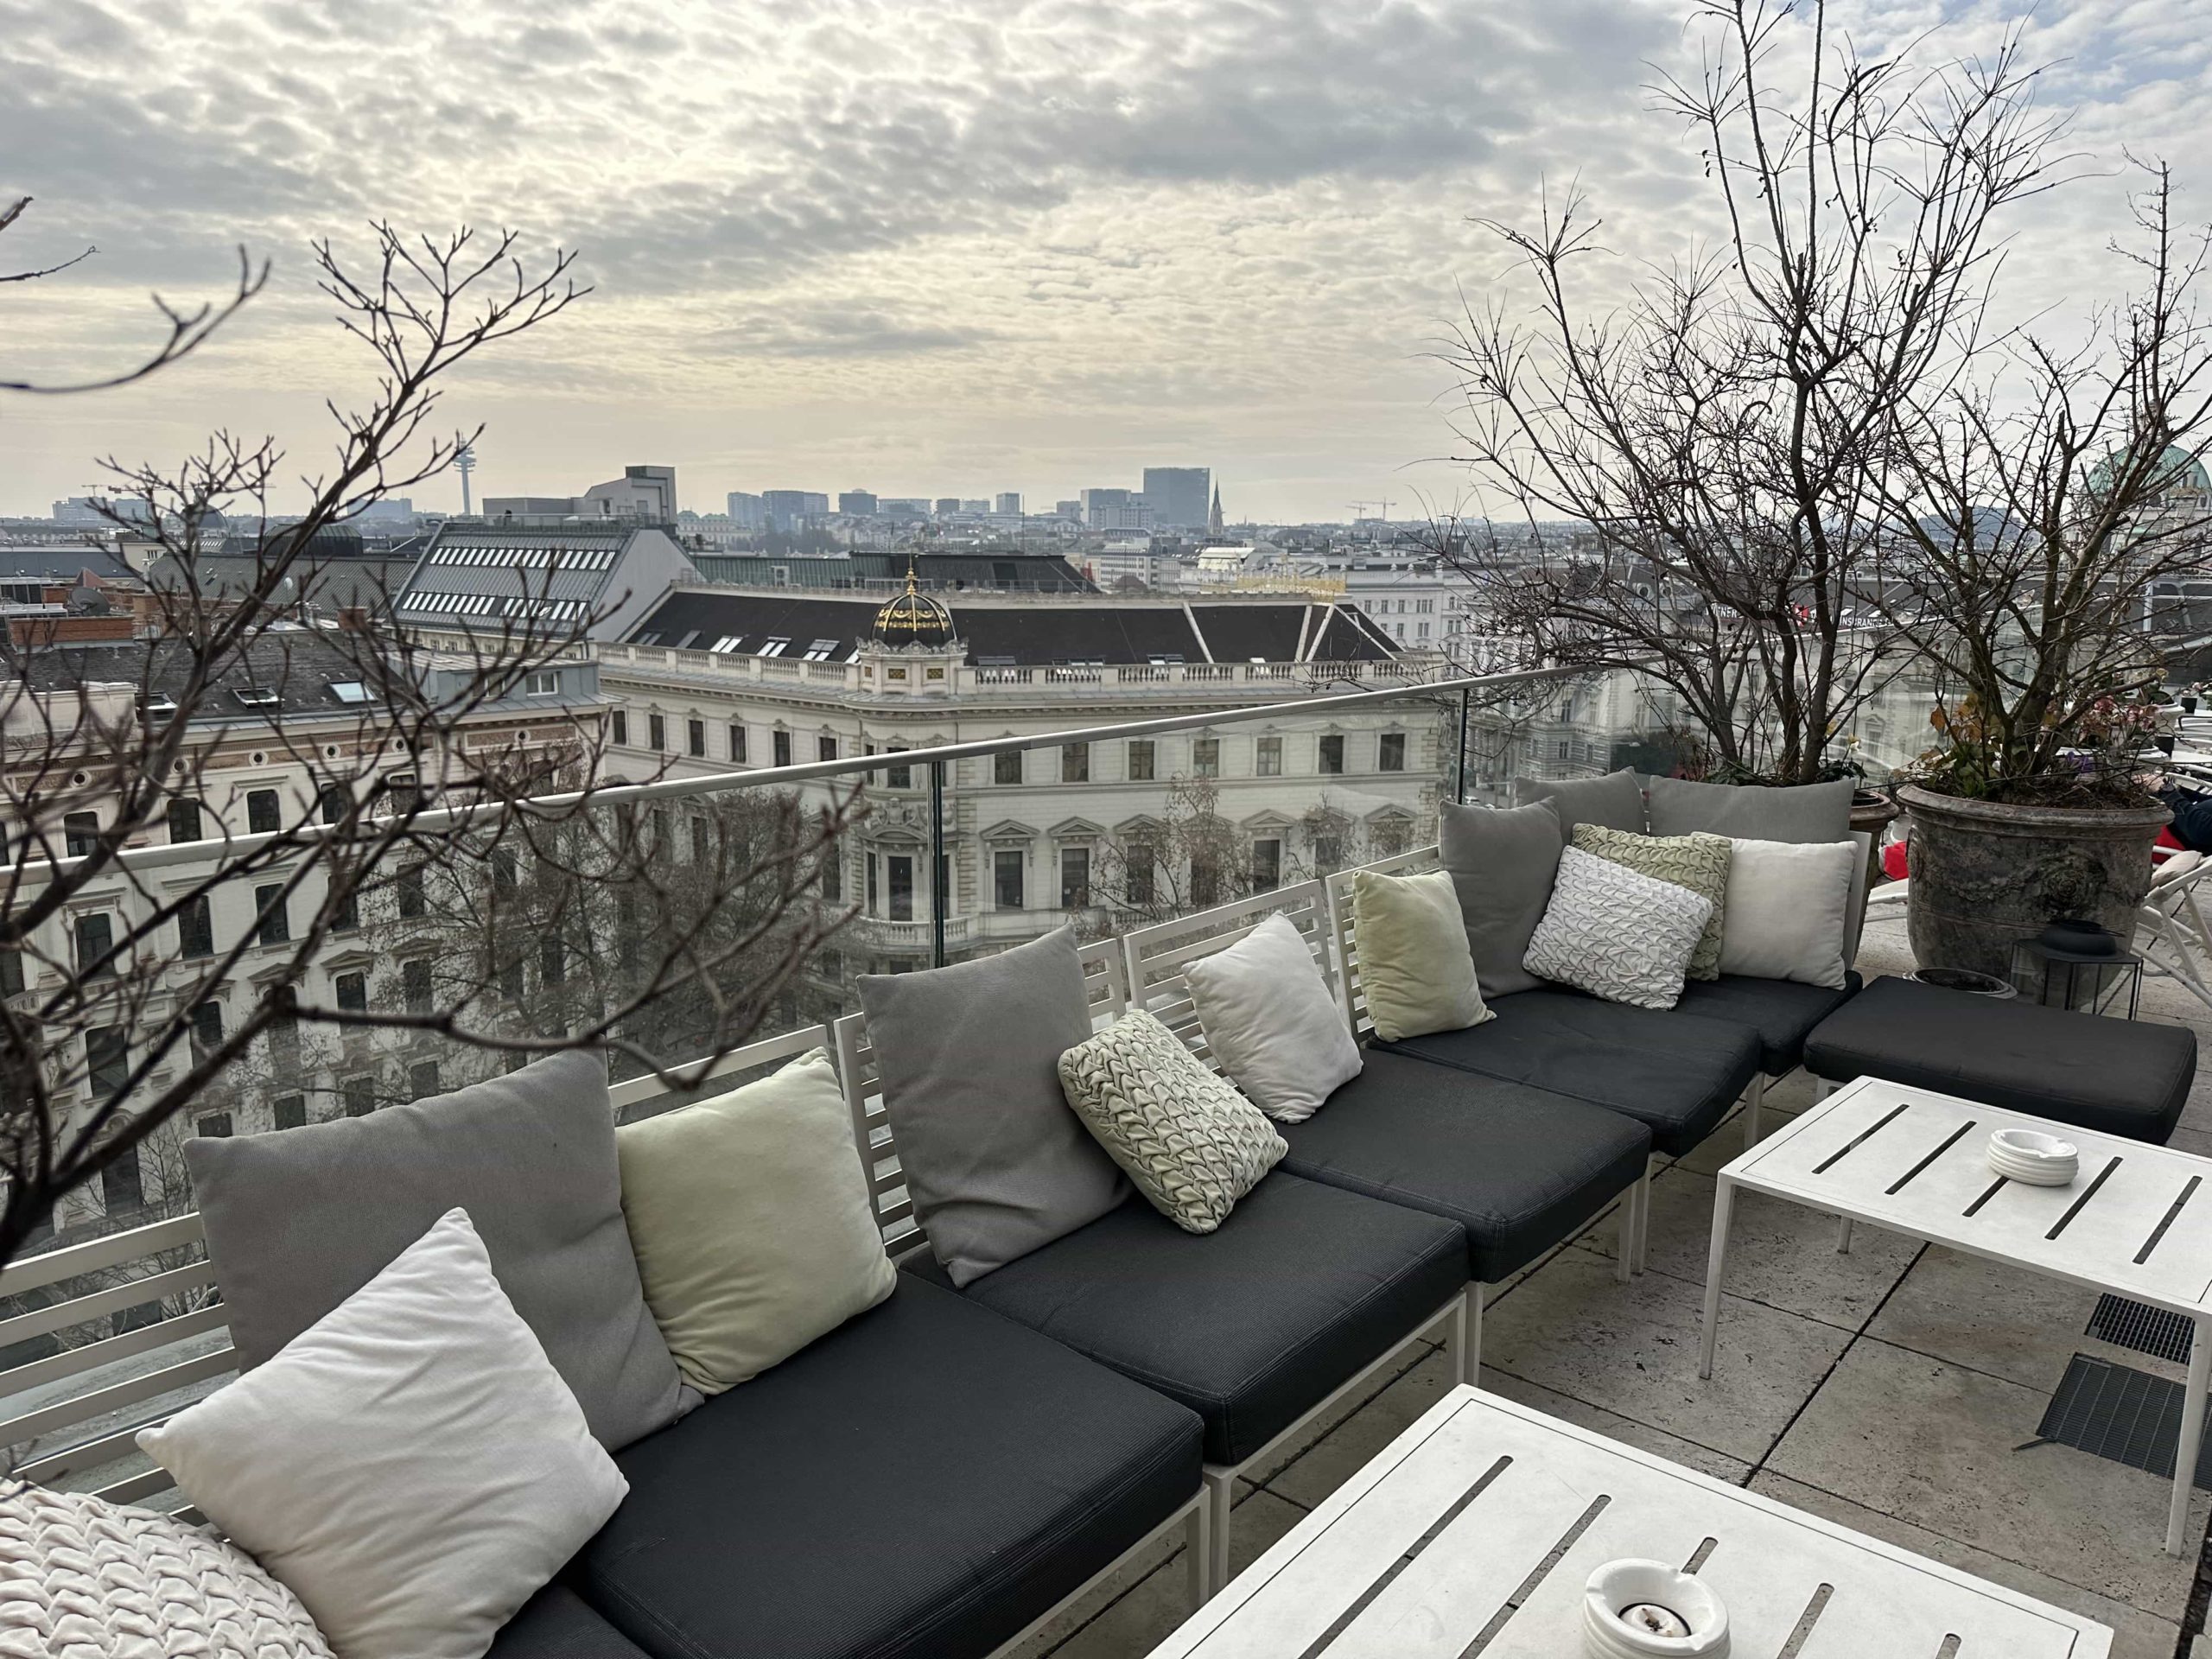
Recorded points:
(1359,509)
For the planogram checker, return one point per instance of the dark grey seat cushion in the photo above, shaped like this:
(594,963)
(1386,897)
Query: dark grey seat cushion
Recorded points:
(557,1624)
(1677,1072)
(1781,1011)
(1250,1325)
(920,1483)
(1519,1169)
(2121,1077)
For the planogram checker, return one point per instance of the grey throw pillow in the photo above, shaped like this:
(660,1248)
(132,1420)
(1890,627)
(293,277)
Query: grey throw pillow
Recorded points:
(299,1220)
(1615,800)
(1802,813)
(970,1055)
(1502,860)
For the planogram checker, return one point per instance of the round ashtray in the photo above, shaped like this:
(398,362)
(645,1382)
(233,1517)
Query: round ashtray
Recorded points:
(2034,1158)
(1635,1609)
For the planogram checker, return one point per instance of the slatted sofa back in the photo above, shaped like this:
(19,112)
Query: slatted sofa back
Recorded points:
(1108,988)
(1346,939)
(1156,955)
(120,1333)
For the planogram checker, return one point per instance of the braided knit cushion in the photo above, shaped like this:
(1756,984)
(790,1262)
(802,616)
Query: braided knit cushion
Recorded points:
(80,1579)
(1190,1141)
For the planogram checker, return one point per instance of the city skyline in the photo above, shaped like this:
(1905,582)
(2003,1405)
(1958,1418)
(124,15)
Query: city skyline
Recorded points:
(984,246)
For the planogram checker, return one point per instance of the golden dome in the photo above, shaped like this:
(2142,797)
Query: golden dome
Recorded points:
(914,618)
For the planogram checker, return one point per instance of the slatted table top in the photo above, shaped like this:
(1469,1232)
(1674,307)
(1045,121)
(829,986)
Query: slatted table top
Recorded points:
(2138,1219)
(1477,1530)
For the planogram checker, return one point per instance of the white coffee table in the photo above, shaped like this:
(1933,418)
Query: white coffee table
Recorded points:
(1486,1519)
(2136,1220)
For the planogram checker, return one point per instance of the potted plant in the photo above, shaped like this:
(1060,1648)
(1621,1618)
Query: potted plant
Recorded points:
(2029,529)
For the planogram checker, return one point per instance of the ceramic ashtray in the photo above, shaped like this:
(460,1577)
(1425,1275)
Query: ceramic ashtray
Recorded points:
(2034,1158)
(1646,1610)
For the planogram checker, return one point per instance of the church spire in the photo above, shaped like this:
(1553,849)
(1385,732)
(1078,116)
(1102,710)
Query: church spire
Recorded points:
(1213,518)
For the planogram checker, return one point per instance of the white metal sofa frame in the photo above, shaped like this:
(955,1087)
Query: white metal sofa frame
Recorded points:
(40,1408)
(1105,968)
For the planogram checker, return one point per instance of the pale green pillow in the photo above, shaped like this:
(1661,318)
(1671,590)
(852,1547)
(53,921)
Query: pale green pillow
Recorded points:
(1415,962)
(1698,861)
(751,1222)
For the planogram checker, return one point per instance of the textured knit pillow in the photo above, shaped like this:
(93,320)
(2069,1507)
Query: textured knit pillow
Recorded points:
(1415,964)
(1192,1145)
(1617,934)
(88,1580)
(1698,861)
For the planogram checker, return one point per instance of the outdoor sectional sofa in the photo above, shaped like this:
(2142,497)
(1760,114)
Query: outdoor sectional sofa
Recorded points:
(941,1475)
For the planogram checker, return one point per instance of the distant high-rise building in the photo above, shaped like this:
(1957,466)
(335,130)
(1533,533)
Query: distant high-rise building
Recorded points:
(1177,495)
(644,494)
(1068,510)
(973,504)
(947,505)
(745,512)
(788,510)
(857,503)
(1115,509)
(1009,500)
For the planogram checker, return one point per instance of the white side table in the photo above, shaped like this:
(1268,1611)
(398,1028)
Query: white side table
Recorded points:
(2136,1222)
(1480,1525)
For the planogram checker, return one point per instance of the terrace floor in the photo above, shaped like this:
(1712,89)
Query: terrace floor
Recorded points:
(1896,1390)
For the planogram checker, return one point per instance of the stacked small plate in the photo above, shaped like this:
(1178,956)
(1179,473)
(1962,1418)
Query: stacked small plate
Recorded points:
(2033,1158)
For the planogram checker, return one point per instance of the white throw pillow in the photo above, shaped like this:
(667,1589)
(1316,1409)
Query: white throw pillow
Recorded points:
(1271,1022)
(1616,932)
(411,1467)
(1788,904)
(82,1579)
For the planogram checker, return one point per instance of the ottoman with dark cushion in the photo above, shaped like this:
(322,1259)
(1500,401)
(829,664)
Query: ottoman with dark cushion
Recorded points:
(1781,1011)
(555,1623)
(1251,1325)
(1679,1073)
(1519,1169)
(924,1481)
(2119,1076)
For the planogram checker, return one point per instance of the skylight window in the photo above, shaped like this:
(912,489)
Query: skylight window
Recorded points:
(349,691)
(774,647)
(256,696)
(727,644)
(821,651)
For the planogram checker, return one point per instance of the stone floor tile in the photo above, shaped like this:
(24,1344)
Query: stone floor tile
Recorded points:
(1346,1449)
(1327,1423)
(1129,1622)
(1614,1426)
(1632,1350)
(1939,1446)
(2137,1634)
(2019,1325)
(1781,1253)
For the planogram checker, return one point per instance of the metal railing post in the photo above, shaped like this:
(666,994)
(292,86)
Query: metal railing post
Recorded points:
(1460,779)
(938,871)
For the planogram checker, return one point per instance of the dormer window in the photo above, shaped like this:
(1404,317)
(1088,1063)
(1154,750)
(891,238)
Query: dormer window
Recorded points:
(256,696)
(774,647)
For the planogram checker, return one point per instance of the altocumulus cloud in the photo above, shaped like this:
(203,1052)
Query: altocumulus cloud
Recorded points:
(1228,224)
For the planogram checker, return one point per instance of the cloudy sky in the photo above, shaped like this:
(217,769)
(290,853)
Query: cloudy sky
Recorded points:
(917,246)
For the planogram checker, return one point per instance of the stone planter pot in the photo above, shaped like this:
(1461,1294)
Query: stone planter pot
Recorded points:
(1872,813)
(1985,875)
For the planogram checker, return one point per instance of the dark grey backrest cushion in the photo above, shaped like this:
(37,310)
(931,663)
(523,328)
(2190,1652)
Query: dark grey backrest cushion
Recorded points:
(997,1162)
(300,1219)
(1615,800)
(1502,860)
(1805,812)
